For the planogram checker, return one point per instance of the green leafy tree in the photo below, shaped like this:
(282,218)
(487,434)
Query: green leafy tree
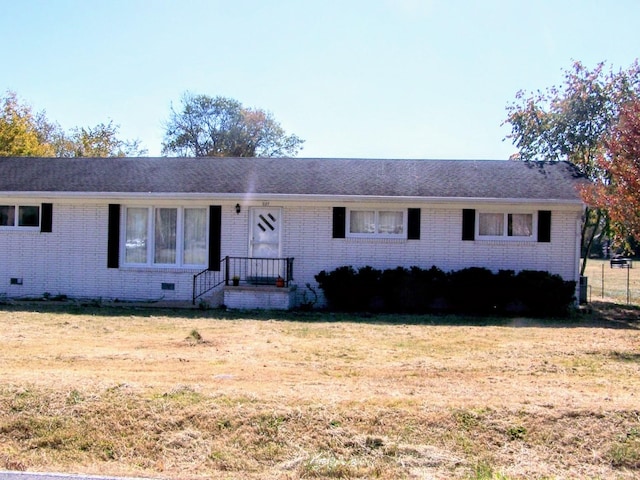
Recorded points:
(572,122)
(221,127)
(99,141)
(23,133)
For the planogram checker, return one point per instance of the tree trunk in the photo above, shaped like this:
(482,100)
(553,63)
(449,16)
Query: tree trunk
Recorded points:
(586,238)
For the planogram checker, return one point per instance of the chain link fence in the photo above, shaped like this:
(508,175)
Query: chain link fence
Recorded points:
(615,280)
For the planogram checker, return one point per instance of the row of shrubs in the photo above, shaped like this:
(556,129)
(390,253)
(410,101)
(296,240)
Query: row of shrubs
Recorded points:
(469,291)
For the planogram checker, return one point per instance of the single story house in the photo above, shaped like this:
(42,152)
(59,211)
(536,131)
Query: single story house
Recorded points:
(181,229)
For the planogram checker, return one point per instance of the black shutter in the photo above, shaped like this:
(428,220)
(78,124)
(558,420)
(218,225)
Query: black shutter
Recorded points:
(46,218)
(215,232)
(113,236)
(468,224)
(544,226)
(339,221)
(413,224)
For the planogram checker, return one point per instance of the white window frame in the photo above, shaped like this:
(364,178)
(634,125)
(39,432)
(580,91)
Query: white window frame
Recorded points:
(16,217)
(505,226)
(376,233)
(150,254)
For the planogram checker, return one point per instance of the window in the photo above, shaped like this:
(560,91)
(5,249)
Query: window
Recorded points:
(166,224)
(519,225)
(19,216)
(195,236)
(369,223)
(165,236)
(136,235)
(491,224)
(501,225)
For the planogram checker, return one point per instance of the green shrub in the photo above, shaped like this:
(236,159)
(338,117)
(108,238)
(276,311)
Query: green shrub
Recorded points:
(473,290)
(544,294)
(337,286)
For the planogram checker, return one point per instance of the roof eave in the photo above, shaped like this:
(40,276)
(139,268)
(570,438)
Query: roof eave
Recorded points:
(289,197)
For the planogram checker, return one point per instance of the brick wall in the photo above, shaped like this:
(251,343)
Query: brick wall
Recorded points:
(72,260)
(440,245)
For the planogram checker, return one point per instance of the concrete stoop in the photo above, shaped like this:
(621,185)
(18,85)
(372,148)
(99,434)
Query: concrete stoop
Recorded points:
(267,297)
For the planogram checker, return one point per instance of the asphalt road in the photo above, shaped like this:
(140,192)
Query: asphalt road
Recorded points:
(58,476)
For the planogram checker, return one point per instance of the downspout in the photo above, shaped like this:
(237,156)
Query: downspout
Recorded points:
(576,263)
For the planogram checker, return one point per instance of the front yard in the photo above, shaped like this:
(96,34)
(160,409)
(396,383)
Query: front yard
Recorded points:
(190,395)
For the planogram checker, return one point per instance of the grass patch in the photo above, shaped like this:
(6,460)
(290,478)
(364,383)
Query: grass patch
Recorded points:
(195,337)
(313,397)
(610,284)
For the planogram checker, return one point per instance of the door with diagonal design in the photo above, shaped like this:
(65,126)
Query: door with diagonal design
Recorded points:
(264,243)
(265,233)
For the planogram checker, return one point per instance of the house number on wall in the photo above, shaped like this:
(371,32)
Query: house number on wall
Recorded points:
(265,204)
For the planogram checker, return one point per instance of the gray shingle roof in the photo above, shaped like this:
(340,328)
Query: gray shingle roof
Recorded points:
(293,176)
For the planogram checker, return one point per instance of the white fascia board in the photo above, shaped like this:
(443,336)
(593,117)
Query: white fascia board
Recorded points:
(577,205)
(295,198)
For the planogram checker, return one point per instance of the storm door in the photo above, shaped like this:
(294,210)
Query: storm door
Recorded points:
(264,243)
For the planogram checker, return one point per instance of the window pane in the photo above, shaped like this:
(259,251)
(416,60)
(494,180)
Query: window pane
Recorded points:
(391,222)
(520,224)
(195,236)
(28,216)
(491,224)
(362,222)
(165,235)
(7,215)
(136,235)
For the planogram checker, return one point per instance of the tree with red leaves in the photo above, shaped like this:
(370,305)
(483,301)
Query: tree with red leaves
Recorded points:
(620,193)
(573,122)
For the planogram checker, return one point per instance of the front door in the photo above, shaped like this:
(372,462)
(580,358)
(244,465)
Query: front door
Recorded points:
(265,233)
(264,245)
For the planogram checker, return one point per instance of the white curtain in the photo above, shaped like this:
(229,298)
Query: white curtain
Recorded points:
(195,236)
(166,223)
(362,221)
(491,224)
(136,235)
(390,223)
(372,222)
(520,224)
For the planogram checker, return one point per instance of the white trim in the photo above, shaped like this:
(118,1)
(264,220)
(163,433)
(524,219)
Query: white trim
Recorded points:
(150,260)
(314,198)
(505,227)
(16,218)
(309,201)
(252,220)
(376,235)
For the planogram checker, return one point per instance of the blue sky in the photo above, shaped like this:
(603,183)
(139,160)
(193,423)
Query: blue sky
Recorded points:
(354,78)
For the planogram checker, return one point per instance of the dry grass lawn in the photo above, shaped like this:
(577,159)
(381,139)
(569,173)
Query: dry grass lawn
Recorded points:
(194,395)
(610,284)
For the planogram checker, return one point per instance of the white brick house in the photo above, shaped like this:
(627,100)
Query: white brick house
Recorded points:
(141,228)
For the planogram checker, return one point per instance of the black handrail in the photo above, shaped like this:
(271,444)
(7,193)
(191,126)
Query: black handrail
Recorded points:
(258,271)
(244,270)
(207,280)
